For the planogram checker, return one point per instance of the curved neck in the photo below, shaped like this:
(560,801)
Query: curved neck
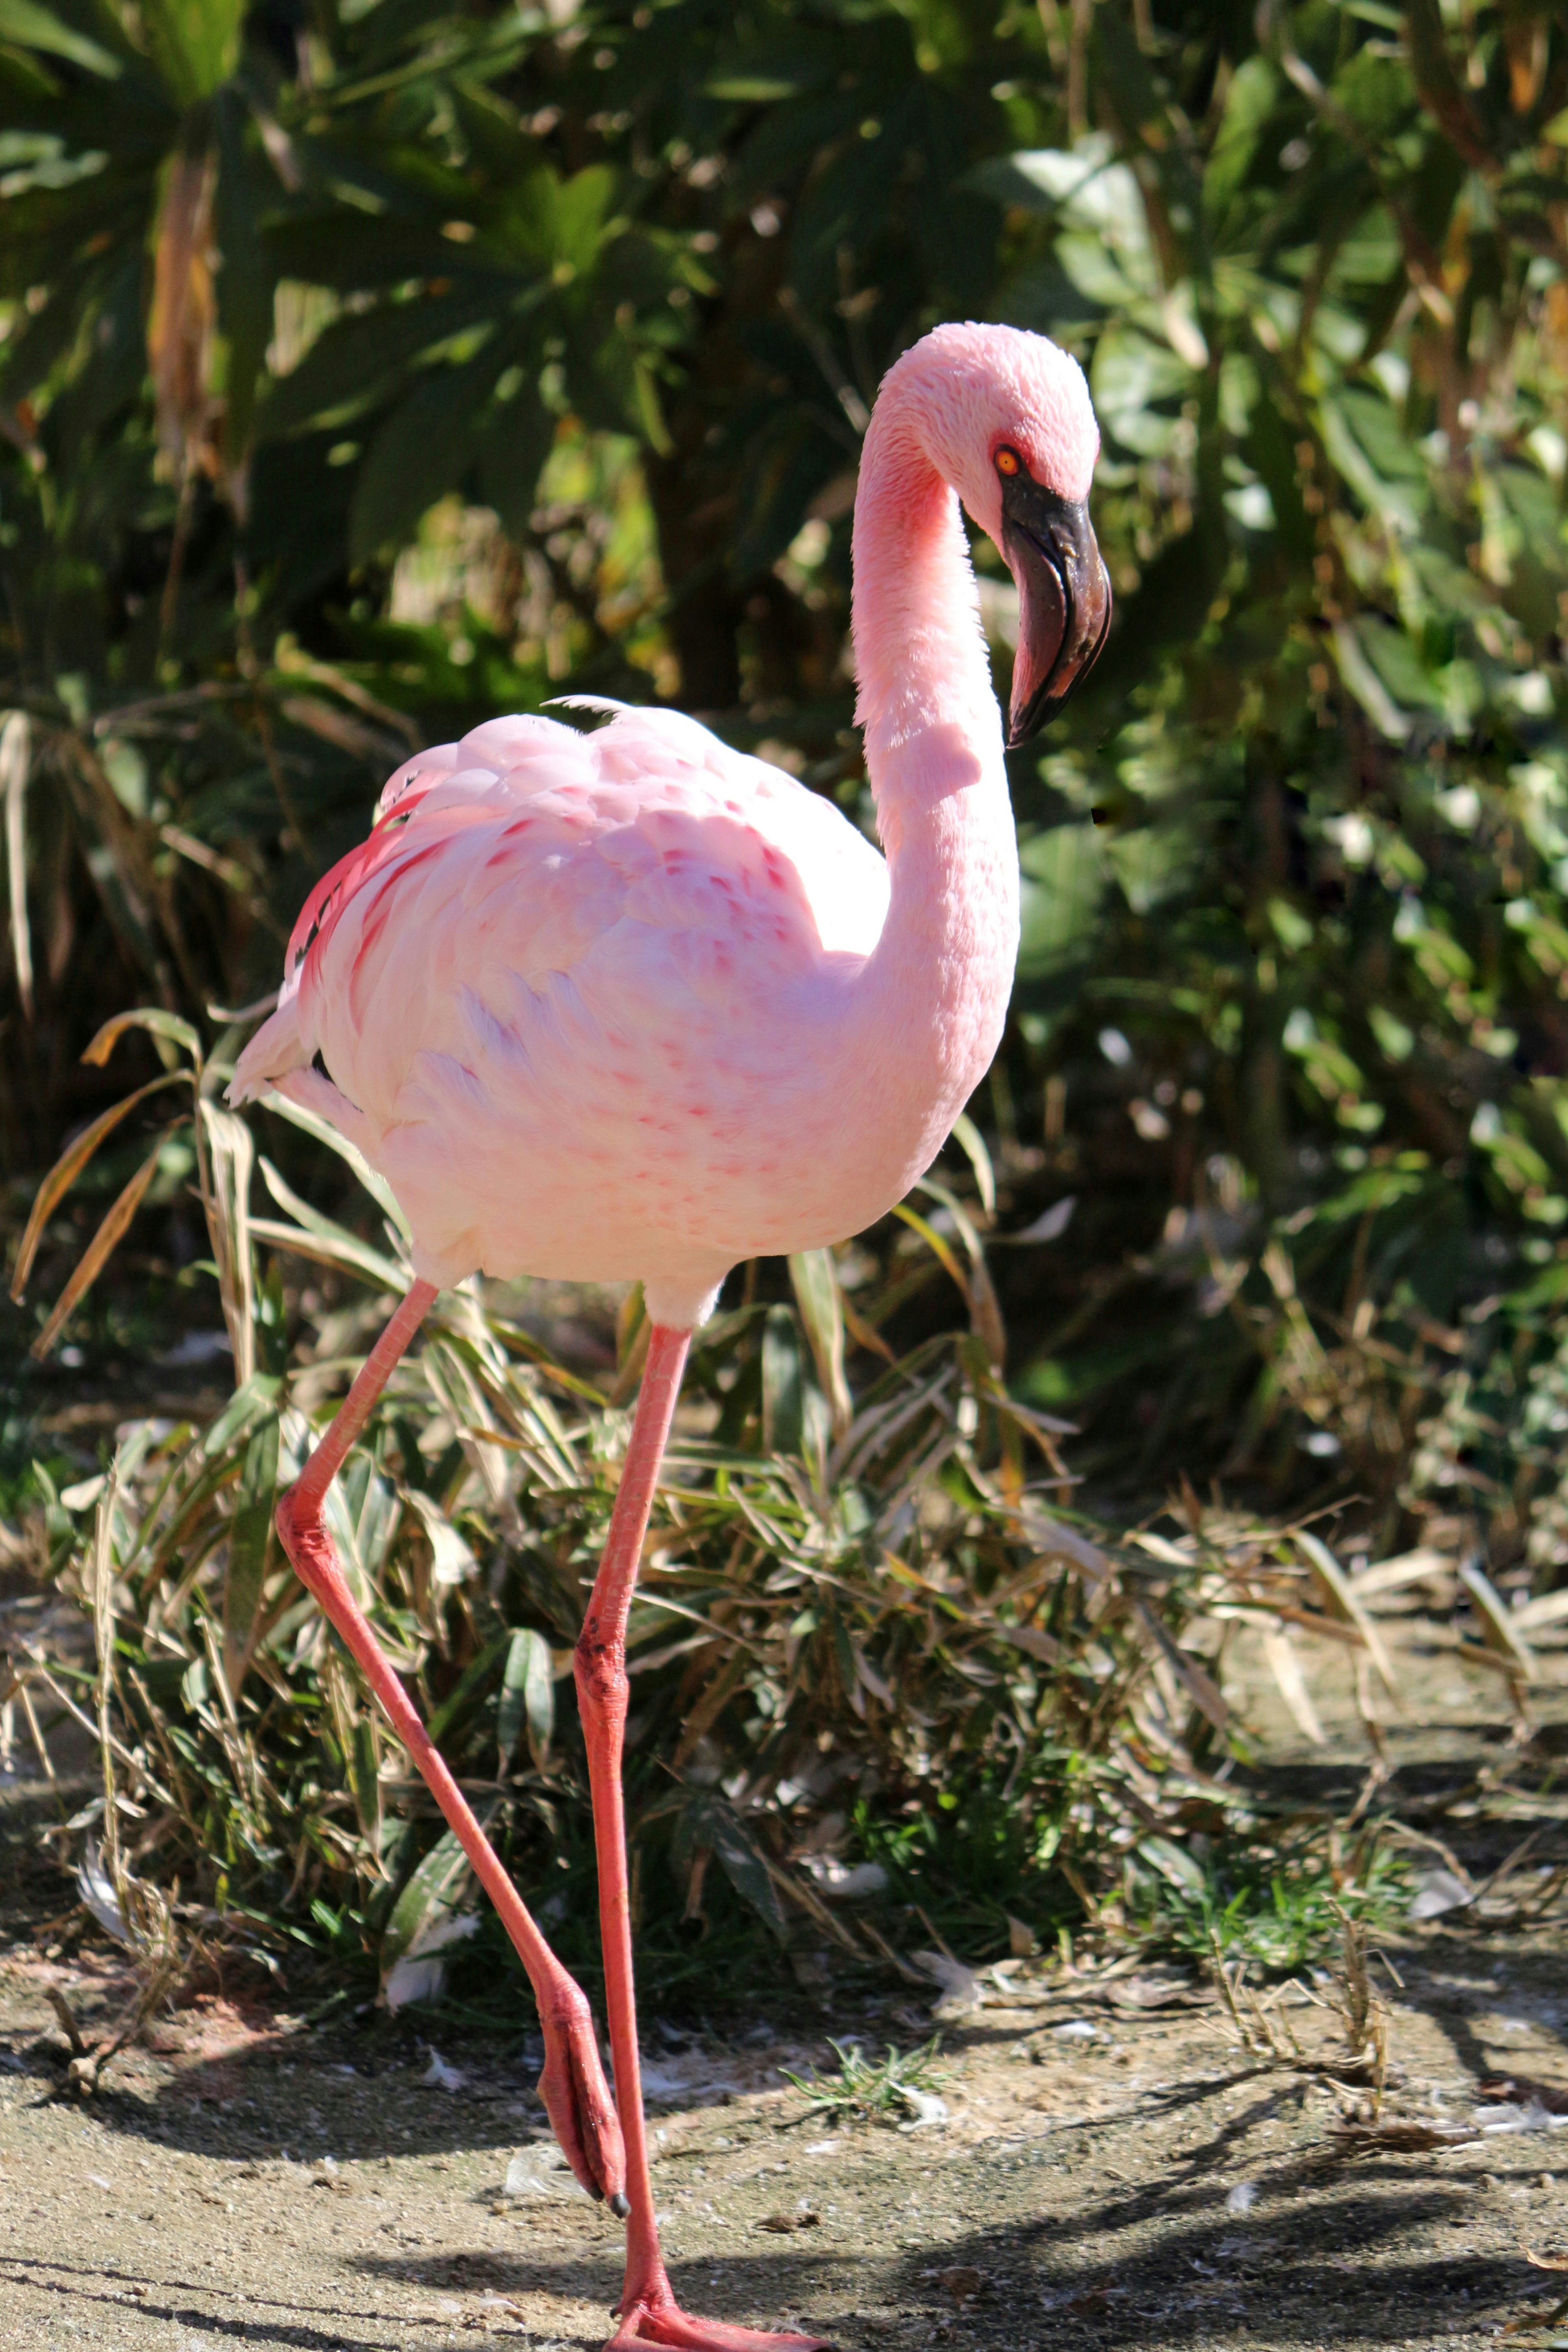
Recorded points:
(933,752)
(926,701)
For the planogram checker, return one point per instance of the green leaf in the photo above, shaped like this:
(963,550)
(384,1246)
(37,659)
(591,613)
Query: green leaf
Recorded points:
(745,1869)
(195,43)
(782,1394)
(28,26)
(1270,449)
(244,283)
(250,1544)
(512,447)
(435,1892)
(376,1185)
(1064,883)
(708,1820)
(355,359)
(470,1684)
(245,1406)
(420,452)
(527,1696)
(1248,103)
(1172,1861)
(815,1281)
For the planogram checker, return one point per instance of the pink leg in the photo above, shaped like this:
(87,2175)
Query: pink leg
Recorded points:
(572,2086)
(648,2311)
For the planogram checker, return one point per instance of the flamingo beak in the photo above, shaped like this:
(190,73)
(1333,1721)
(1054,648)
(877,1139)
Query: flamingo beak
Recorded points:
(1064,600)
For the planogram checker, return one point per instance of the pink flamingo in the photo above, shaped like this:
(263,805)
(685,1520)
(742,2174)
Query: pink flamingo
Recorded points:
(629,1004)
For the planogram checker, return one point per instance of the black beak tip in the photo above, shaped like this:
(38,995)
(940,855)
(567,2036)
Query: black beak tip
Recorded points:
(620,2205)
(1024,725)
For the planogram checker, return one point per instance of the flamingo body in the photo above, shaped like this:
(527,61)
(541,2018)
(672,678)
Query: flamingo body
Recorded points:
(603,1006)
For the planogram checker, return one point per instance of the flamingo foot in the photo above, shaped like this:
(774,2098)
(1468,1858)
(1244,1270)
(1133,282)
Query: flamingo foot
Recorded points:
(653,2316)
(577,2099)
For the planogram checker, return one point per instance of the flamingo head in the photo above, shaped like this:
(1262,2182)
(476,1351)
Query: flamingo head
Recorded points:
(1006,419)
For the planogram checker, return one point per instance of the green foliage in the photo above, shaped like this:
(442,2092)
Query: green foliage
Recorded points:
(478,355)
(1279,1906)
(359,380)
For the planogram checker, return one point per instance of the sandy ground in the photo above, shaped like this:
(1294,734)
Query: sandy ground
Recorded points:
(1108,2174)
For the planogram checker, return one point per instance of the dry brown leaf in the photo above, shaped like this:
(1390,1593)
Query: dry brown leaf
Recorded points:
(68,1166)
(93,1258)
(1286,1668)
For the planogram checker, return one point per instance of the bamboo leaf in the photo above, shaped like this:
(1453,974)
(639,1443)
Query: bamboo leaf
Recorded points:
(195,43)
(419,453)
(68,1166)
(432,1897)
(28,26)
(709,1822)
(233,1155)
(527,1696)
(451,1561)
(376,1185)
(244,289)
(469,1687)
(1497,1630)
(783,1400)
(157,1023)
(1196,1681)
(821,1303)
(1341,1600)
(1286,1668)
(249,1550)
(364,1770)
(972,1143)
(91,1263)
(354,1257)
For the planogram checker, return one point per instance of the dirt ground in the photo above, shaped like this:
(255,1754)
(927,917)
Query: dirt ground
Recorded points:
(1111,2171)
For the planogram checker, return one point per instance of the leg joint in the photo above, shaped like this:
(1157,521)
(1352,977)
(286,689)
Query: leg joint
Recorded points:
(599,1669)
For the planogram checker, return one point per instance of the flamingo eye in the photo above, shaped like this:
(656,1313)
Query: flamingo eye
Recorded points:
(1007,460)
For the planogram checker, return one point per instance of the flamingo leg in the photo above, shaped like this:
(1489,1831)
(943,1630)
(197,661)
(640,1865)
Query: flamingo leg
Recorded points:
(572,2086)
(648,2312)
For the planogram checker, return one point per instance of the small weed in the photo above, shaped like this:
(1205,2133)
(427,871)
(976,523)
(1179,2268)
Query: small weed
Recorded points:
(868,2091)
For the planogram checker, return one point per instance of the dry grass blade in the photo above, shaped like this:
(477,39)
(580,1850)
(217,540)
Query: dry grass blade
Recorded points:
(90,1263)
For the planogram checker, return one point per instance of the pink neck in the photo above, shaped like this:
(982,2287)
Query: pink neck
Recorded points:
(944,963)
(919,654)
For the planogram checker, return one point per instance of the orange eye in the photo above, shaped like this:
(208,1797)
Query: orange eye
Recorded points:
(1008,461)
